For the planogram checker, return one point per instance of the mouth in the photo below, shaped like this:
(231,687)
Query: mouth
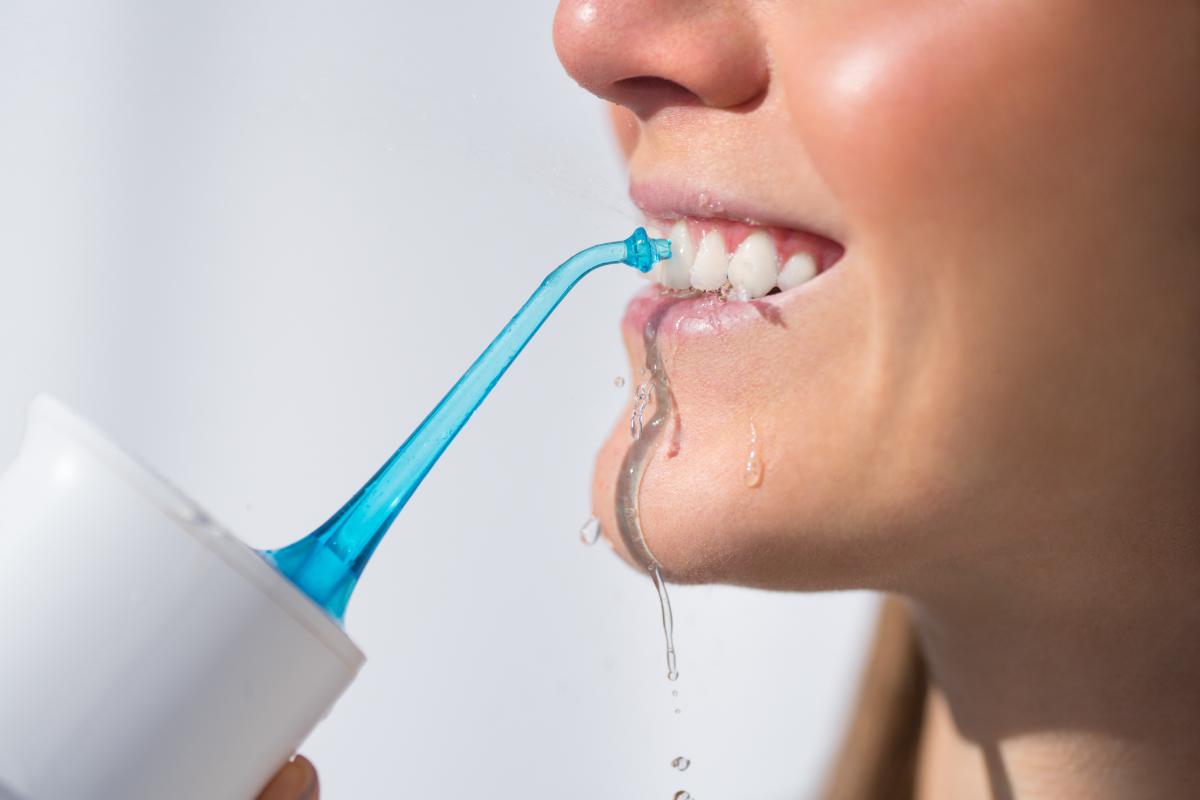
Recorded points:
(738,260)
(724,267)
(739,287)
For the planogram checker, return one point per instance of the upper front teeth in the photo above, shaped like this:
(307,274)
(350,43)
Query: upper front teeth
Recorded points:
(711,267)
(750,272)
(676,272)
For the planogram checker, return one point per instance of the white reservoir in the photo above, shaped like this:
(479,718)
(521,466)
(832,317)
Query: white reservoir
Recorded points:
(145,652)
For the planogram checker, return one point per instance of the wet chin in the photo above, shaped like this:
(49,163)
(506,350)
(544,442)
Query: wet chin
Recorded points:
(685,511)
(772,480)
(707,517)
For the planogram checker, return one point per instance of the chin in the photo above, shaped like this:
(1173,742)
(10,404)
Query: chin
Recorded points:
(761,475)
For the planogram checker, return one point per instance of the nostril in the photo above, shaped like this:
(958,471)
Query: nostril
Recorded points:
(644,95)
(649,83)
(707,54)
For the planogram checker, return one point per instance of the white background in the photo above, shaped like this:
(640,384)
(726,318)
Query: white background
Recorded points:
(255,242)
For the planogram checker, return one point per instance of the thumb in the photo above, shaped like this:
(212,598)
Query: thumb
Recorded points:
(296,781)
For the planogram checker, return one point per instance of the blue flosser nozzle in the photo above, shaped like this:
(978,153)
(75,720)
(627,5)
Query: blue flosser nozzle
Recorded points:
(642,252)
(327,563)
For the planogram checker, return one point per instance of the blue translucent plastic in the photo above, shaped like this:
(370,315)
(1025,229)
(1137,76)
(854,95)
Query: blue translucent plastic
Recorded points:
(327,563)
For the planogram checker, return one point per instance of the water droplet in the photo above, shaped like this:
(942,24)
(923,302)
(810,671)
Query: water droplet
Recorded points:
(618,381)
(681,763)
(589,534)
(640,400)
(754,465)
(674,693)
(679,711)
(681,795)
(710,203)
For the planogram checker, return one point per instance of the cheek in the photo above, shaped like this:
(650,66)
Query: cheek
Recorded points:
(984,154)
(926,118)
(943,123)
(892,106)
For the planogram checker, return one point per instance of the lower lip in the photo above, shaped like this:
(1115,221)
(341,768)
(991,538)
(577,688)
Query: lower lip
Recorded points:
(683,316)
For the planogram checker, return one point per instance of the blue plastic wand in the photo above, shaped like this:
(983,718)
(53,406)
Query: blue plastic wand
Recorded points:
(327,563)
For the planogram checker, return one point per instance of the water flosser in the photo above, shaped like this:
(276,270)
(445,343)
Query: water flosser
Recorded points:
(148,654)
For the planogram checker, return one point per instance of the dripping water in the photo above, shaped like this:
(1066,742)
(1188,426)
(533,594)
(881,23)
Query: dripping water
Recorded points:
(646,435)
(618,381)
(668,622)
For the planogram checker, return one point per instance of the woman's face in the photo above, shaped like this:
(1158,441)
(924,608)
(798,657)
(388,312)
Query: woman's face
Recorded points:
(1003,197)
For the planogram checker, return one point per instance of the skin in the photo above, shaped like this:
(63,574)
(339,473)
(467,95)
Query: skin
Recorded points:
(296,781)
(991,404)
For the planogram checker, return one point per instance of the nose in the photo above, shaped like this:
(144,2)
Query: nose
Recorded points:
(647,55)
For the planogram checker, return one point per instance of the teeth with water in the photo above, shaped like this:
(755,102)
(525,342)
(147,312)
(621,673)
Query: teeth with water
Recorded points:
(752,271)
(676,271)
(753,266)
(711,267)
(798,269)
